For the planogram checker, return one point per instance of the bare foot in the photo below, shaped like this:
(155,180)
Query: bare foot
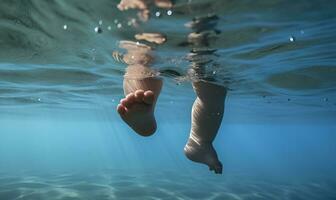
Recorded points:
(203,153)
(137,110)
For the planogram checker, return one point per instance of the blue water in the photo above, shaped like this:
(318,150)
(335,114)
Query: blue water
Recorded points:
(61,138)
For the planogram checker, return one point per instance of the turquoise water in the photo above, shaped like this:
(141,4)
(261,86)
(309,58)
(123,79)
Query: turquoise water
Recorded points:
(61,138)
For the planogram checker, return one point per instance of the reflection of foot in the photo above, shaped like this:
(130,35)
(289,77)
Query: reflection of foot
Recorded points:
(137,53)
(143,6)
(157,38)
(137,110)
(132,4)
(203,153)
(163,3)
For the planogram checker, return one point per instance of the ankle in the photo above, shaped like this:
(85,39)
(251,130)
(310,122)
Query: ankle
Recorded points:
(201,143)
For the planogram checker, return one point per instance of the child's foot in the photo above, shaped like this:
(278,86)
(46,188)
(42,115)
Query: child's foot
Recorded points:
(203,153)
(137,110)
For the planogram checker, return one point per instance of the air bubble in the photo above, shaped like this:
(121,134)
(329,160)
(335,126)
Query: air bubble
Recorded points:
(116,21)
(98,29)
(169,12)
(100,22)
(119,25)
(158,14)
(109,28)
(65,27)
(39,100)
(214,72)
(292,38)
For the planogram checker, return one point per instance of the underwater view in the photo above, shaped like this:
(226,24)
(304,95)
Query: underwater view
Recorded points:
(164,99)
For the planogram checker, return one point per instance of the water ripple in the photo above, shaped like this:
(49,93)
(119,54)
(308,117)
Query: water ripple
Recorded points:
(268,47)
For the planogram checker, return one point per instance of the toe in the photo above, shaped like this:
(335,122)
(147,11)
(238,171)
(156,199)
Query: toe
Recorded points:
(130,98)
(218,169)
(148,97)
(124,102)
(139,95)
(121,109)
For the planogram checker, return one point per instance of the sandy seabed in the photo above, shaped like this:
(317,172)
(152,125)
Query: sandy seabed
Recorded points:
(167,185)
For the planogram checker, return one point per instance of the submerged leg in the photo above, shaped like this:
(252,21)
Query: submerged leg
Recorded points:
(141,89)
(207,114)
(137,108)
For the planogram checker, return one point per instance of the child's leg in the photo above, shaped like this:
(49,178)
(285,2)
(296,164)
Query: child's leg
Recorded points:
(207,114)
(208,108)
(141,89)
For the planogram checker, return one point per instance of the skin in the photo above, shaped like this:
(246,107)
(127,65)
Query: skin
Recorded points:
(206,117)
(137,108)
(141,88)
